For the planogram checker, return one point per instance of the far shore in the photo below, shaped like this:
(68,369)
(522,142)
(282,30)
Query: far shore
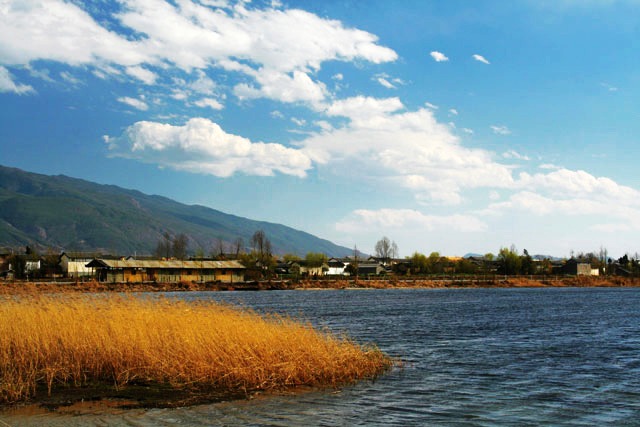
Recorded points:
(499,281)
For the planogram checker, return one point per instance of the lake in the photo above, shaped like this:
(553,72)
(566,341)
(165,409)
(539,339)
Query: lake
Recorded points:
(471,357)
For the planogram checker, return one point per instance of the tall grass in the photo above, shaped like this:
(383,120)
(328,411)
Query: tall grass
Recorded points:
(74,340)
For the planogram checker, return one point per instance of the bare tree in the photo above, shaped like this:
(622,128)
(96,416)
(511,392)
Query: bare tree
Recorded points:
(261,247)
(238,245)
(219,249)
(163,248)
(258,241)
(386,250)
(179,247)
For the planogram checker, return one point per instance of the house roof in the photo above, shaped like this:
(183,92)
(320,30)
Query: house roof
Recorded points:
(80,256)
(165,264)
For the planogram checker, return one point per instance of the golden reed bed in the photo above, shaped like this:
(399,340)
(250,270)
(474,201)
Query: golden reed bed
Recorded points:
(71,341)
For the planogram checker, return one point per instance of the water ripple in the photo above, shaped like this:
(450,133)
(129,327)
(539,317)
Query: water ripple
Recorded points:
(477,357)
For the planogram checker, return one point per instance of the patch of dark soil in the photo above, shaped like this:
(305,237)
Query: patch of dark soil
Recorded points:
(77,400)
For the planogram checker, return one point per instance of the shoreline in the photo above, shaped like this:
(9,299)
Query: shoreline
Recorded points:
(10,287)
(62,349)
(141,395)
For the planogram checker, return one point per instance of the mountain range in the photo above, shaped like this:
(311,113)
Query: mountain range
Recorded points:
(69,214)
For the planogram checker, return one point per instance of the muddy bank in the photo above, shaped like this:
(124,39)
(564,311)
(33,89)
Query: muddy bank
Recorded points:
(374,283)
(473,282)
(89,398)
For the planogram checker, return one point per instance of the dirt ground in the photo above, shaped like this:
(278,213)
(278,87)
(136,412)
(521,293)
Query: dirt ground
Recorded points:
(12,287)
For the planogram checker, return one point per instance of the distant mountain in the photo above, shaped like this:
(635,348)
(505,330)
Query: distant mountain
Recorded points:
(536,257)
(75,215)
(472,255)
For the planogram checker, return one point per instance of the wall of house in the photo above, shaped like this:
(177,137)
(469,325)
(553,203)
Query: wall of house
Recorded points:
(130,275)
(337,271)
(583,269)
(73,268)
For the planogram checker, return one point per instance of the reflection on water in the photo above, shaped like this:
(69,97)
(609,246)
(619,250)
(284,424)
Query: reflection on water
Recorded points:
(471,357)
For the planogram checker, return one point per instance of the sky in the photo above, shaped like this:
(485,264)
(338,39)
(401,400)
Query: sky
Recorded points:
(446,125)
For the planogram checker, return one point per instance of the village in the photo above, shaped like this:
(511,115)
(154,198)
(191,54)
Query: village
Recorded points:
(245,267)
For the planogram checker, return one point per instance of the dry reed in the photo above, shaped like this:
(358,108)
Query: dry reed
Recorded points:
(79,340)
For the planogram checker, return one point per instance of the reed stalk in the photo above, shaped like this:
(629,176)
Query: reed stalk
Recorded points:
(79,340)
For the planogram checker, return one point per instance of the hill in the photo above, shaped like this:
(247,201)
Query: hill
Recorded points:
(71,214)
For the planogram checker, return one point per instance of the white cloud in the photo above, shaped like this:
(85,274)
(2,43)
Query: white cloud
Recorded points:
(512,154)
(295,87)
(565,192)
(453,111)
(209,103)
(402,219)
(135,103)
(438,56)
(179,94)
(361,109)
(609,87)
(606,209)
(480,58)
(64,33)
(409,149)
(386,83)
(549,166)
(43,73)
(202,146)
(203,84)
(298,122)
(276,114)
(68,77)
(324,125)
(142,74)
(277,50)
(8,85)
(568,183)
(500,130)
(431,106)
(468,131)
(338,77)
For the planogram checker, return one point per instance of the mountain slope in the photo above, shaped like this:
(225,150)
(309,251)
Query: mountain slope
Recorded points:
(72,214)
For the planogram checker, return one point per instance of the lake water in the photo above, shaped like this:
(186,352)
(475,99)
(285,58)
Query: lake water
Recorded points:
(472,357)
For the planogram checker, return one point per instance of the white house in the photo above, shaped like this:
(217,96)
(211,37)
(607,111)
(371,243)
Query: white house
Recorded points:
(337,267)
(74,264)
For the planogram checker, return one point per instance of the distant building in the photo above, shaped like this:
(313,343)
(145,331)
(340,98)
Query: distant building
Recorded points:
(74,264)
(370,268)
(336,267)
(304,268)
(575,268)
(166,271)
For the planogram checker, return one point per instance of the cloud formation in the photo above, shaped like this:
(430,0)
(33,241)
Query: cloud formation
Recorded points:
(276,50)
(202,146)
(565,192)
(512,154)
(8,85)
(133,102)
(409,149)
(403,219)
(438,56)
(500,130)
(480,58)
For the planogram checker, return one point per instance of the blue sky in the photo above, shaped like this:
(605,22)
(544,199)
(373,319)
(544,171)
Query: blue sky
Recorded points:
(450,126)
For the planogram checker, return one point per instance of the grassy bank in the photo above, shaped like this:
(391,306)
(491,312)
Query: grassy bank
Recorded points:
(427,282)
(73,341)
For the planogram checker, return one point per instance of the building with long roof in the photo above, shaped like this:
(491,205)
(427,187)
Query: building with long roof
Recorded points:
(166,271)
